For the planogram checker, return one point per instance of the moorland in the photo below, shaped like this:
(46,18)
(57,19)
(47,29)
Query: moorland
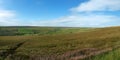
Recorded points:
(59,43)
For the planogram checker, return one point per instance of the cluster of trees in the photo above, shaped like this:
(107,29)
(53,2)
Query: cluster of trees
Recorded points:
(13,31)
(9,32)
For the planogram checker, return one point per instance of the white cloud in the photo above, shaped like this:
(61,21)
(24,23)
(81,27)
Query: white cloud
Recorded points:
(6,14)
(98,5)
(79,20)
(7,17)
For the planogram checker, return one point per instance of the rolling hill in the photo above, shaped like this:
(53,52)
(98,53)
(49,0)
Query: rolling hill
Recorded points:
(51,45)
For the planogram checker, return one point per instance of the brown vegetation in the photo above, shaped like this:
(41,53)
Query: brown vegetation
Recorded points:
(50,46)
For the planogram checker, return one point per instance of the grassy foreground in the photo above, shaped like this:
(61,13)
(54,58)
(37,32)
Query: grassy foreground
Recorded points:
(113,55)
(56,45)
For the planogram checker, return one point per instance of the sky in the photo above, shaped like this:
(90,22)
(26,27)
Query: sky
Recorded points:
(64,13)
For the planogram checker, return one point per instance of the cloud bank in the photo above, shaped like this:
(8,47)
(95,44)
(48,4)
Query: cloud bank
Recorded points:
(98,5)
(8,17)
(80,21)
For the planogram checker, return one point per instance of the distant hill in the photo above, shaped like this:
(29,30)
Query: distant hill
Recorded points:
(35,30)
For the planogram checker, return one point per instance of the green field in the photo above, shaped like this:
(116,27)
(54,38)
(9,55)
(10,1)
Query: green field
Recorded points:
(113,55)
(24,30)
(48,43)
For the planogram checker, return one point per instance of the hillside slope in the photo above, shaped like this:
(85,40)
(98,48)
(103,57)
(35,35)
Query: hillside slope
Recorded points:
(48,45)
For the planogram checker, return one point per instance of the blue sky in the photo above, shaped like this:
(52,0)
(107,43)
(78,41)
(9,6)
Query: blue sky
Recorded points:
(67,13)
(42,9)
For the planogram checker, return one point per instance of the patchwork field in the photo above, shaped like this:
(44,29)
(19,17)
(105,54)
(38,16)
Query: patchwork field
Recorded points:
(48,43)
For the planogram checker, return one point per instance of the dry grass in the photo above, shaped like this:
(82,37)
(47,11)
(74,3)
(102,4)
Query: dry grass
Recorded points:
(56,45)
